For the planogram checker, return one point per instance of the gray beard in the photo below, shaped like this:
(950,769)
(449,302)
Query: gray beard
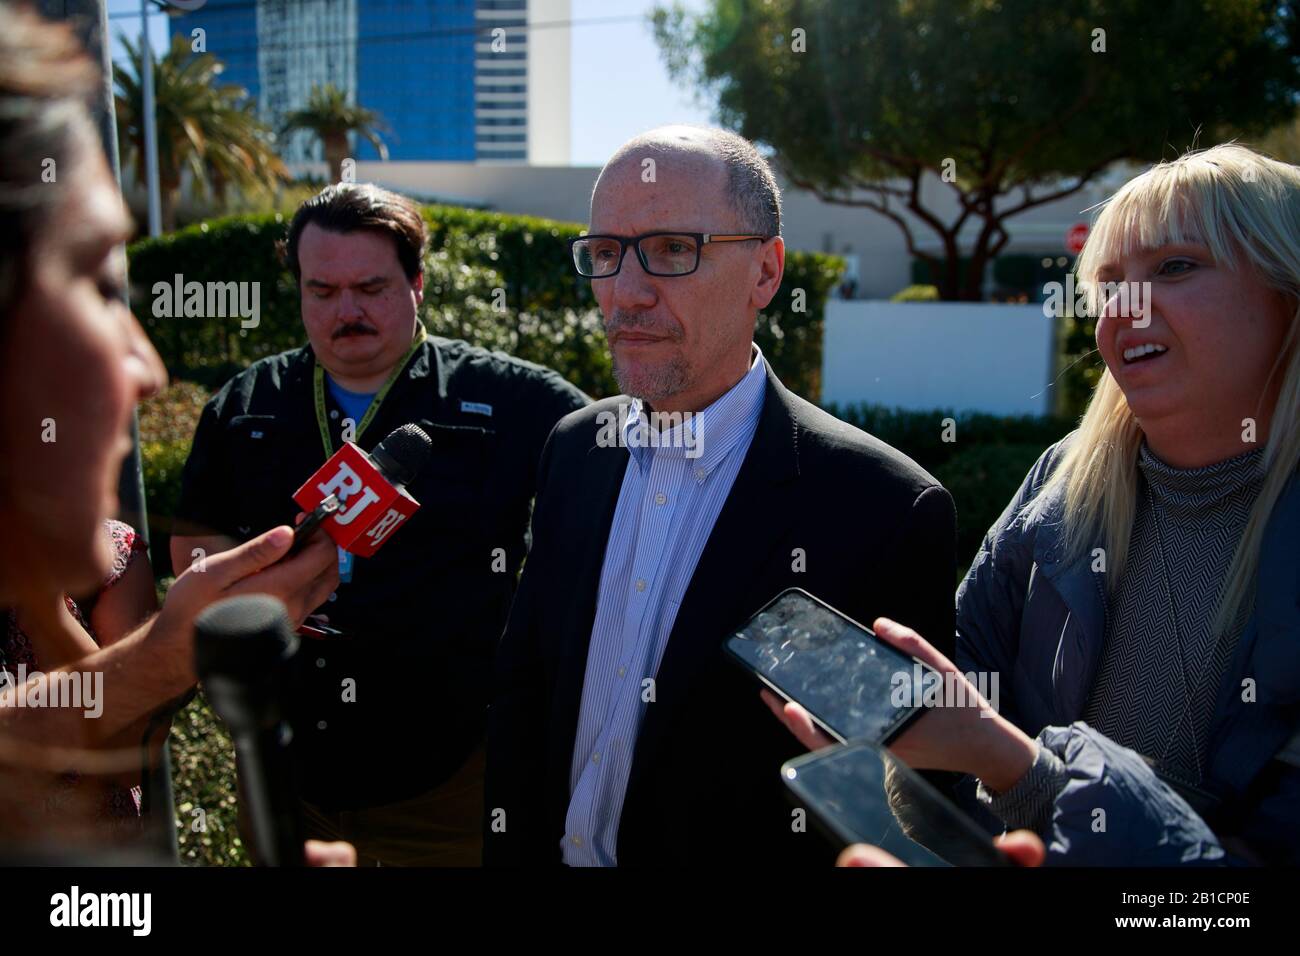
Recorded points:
(656,384)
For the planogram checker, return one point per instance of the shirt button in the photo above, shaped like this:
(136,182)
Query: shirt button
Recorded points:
(334,595)
(577,841)
(320,662)
(699,474)
(595,758)
(640,584)
(661,498)
(622,671)
(334,413)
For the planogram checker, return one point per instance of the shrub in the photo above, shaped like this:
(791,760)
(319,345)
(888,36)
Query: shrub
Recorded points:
(167,423)
(203,779)
(209,350)
(173,413)
(1079,365)
(501,289)
(982,479)
(982,466)
(791,338)
(916,293)
(920,434)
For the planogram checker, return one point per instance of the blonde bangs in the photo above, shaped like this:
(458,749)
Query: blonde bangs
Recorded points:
(1170,204)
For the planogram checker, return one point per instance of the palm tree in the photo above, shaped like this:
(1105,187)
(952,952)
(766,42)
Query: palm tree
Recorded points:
(332,118)
(208,129)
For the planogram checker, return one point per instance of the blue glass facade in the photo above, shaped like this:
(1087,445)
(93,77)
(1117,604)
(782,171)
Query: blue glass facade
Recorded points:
(230,28)
(414,66)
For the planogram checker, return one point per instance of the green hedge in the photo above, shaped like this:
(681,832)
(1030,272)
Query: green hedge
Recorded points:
(544,311)
(982,466)
(982,480)
(204,790)
(1079,364)
(167,423)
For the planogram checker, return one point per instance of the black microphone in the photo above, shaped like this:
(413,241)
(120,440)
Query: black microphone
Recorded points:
(243,648)
(403,453)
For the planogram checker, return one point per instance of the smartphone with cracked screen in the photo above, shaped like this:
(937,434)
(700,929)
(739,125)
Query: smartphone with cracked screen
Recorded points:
(853,684)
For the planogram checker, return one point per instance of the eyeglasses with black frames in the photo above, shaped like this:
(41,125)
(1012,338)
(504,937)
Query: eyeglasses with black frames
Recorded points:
(668,254)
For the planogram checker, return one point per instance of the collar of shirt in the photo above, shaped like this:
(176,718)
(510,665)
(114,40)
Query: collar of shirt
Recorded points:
(706,436)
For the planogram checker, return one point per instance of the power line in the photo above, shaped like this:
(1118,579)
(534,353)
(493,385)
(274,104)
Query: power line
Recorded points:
(448,33)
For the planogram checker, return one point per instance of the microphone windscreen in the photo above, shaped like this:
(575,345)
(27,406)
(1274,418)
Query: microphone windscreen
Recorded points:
(246,637)
(403,453)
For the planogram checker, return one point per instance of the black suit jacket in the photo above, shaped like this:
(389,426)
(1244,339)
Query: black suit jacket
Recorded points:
(817,504)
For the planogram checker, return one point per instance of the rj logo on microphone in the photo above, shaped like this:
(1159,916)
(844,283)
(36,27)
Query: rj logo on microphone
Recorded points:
(346,483)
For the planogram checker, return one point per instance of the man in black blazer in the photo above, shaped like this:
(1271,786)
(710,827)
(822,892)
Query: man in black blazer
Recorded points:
(619,733)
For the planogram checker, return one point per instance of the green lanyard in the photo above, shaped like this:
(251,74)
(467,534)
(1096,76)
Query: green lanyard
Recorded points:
(318,377)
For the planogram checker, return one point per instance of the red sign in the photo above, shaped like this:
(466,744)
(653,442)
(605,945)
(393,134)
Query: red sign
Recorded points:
(1076,237)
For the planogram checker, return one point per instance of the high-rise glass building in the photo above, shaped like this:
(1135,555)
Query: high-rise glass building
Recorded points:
(455,80)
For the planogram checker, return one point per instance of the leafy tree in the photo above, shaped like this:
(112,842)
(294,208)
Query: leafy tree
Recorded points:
(883,104)
(330,116)
(205,128)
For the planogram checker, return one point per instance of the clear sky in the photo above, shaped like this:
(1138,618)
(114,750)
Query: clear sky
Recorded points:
(625,51)
(611,40)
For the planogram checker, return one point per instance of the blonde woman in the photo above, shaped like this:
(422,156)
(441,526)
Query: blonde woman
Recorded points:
(1139,599)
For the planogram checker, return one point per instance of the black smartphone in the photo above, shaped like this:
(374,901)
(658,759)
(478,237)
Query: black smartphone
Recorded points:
(853,684)
(860,793)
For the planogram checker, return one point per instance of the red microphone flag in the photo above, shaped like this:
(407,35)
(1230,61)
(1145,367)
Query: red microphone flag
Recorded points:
(370,507)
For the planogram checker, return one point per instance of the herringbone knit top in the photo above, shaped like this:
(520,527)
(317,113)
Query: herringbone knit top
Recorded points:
(1161,664)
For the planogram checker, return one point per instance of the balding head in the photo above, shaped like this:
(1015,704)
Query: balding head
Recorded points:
(744,176)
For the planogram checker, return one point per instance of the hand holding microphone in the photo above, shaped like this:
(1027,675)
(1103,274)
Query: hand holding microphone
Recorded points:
(261,565)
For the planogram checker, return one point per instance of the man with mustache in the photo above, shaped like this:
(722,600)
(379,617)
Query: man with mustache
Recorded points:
(619,734)
(389,719)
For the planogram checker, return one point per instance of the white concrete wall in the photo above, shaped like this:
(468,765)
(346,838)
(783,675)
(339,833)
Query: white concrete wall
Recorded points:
(964,356)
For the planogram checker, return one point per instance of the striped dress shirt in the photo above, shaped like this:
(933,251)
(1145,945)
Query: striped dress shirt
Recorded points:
(673,490)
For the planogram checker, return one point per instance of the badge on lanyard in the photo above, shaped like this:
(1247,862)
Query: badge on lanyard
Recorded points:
(345,566)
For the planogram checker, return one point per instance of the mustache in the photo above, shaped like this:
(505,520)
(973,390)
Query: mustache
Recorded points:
(353,328)
(627,321)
